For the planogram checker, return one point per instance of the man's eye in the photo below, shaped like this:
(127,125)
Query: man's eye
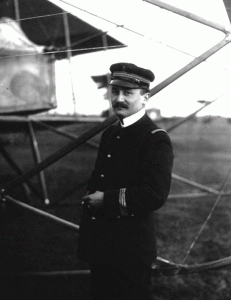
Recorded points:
(127,93)
(114,92)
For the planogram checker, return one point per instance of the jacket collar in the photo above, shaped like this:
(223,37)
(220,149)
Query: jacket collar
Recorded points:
(144,121)
(133,118)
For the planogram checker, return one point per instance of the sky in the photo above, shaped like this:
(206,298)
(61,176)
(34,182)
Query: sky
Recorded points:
(159,40)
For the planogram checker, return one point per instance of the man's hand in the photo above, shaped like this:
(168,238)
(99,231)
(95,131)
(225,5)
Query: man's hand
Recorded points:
(94,201)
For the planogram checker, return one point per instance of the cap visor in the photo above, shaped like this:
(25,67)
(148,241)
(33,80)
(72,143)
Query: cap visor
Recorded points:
(124,83)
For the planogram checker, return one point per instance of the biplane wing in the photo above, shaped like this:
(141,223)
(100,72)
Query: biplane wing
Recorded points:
(44,24)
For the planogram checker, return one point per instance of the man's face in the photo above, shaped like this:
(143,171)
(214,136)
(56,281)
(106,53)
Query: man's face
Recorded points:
(127,101)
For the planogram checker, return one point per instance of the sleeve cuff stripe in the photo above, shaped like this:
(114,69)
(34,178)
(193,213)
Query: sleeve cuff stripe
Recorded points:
(122,202)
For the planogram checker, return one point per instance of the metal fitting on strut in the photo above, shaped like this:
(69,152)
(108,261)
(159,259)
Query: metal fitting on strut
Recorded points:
(2,194)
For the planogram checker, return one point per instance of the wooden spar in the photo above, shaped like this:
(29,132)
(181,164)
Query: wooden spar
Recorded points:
(162,267)
(105,45)
(104,40)
(68,45)
(43,213)
(190,66)
(188,195)
(37,158)
(195,184)
(59,154)
(46,274)
(17,14)
(188,117)
(27,185)
(193,195)
(188,15)
(63,133)
(88,38)
(159,268)
(209,216)
(67,34)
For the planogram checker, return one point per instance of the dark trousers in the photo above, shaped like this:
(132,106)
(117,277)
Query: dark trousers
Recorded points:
(121,282)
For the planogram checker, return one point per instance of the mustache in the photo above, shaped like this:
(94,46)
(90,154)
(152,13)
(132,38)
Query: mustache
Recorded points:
(121,105)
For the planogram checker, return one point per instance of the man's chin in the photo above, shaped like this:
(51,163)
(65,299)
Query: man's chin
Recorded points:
(119,108)
(120,113)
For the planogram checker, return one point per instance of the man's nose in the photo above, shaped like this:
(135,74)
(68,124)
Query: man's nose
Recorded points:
(120,97)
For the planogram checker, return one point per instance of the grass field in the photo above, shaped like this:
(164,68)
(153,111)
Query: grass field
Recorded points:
(202,149)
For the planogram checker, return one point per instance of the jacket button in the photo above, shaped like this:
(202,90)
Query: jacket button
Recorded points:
(109,155)
(102,175)
(118,137)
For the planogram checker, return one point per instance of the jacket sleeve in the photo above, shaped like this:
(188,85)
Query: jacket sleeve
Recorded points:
(155,181)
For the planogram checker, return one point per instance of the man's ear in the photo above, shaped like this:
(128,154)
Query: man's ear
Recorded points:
(146,97)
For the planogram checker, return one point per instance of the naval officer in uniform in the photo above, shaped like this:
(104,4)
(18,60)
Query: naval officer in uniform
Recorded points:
(130,181)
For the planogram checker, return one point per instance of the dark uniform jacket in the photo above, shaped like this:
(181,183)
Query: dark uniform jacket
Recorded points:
(133,169)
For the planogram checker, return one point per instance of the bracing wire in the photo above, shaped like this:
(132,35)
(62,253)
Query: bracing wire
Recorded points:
(60,50)
(31,18)
(126,28)
(208,218)
(133,31)
(117,26)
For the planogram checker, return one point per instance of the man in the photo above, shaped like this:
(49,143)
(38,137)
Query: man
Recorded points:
(131,180)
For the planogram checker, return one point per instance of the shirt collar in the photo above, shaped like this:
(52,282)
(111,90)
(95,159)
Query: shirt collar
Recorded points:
(133,118)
